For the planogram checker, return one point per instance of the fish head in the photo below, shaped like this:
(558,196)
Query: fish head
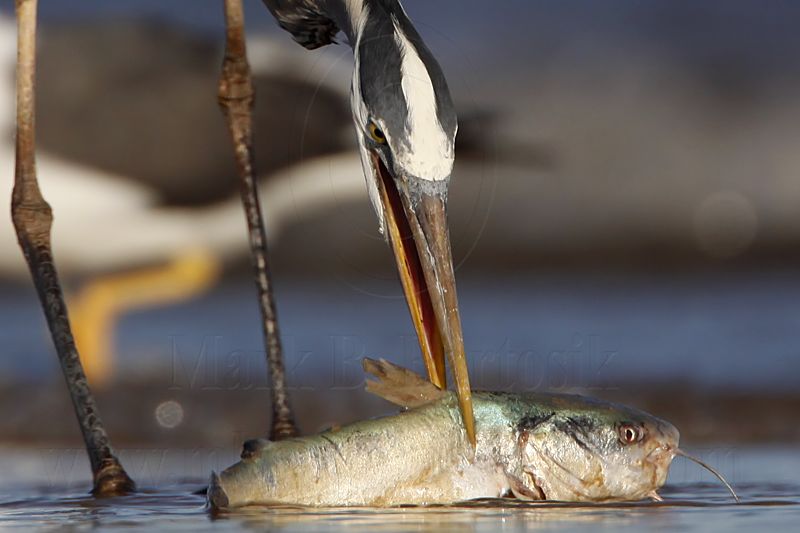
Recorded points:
(581,449)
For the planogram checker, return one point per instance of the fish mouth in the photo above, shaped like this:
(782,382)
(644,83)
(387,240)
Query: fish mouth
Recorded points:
(661,453)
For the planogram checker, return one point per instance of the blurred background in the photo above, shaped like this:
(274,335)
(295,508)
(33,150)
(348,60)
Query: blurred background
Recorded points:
(624,216)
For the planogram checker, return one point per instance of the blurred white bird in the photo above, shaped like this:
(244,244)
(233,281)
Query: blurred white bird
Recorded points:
(116,230)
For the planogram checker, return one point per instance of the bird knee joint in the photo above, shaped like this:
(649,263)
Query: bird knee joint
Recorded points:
(32,220)
(235,83)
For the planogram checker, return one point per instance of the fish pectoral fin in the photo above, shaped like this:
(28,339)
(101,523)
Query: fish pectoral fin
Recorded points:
(530,491)
(399,385)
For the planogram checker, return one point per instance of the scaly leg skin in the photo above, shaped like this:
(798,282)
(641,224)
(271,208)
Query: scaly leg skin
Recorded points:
(236,99)
(33,219)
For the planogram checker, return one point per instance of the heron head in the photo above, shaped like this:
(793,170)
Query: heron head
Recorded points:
(406,126)
(402,109)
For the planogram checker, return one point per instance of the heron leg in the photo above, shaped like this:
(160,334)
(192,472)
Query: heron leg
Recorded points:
(236,96)
(33,219)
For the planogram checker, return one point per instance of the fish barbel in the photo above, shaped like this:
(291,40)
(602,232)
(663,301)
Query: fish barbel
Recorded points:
(533,446)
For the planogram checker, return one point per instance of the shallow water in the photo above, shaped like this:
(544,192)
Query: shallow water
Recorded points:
(549,331)
(763,477)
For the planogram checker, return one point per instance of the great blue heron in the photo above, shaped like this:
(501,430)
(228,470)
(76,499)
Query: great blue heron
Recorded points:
(406,126)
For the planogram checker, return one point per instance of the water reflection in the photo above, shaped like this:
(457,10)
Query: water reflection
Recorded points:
(764,477)
(183,509)
(473,517)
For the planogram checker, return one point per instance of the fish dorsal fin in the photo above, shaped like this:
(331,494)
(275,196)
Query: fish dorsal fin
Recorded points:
(400,385)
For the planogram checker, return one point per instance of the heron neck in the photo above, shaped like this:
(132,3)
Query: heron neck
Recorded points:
(351,15)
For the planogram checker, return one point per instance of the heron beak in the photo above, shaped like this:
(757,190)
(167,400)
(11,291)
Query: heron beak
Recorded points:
(416,225)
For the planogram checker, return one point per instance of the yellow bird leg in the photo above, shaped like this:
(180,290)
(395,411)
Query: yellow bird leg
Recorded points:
(95,310)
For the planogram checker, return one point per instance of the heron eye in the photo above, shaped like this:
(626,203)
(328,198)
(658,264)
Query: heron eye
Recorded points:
(629,434)
(376,133)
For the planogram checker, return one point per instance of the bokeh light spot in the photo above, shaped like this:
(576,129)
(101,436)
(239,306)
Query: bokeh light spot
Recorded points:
(169,414)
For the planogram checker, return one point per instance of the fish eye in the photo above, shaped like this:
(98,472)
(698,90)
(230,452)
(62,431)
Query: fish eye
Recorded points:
(376,133)
(630,434)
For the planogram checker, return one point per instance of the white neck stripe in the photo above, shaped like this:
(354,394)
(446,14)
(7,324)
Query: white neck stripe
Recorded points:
(429,152)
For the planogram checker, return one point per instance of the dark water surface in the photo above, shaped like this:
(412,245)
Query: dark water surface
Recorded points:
(764,477)
(549,331)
